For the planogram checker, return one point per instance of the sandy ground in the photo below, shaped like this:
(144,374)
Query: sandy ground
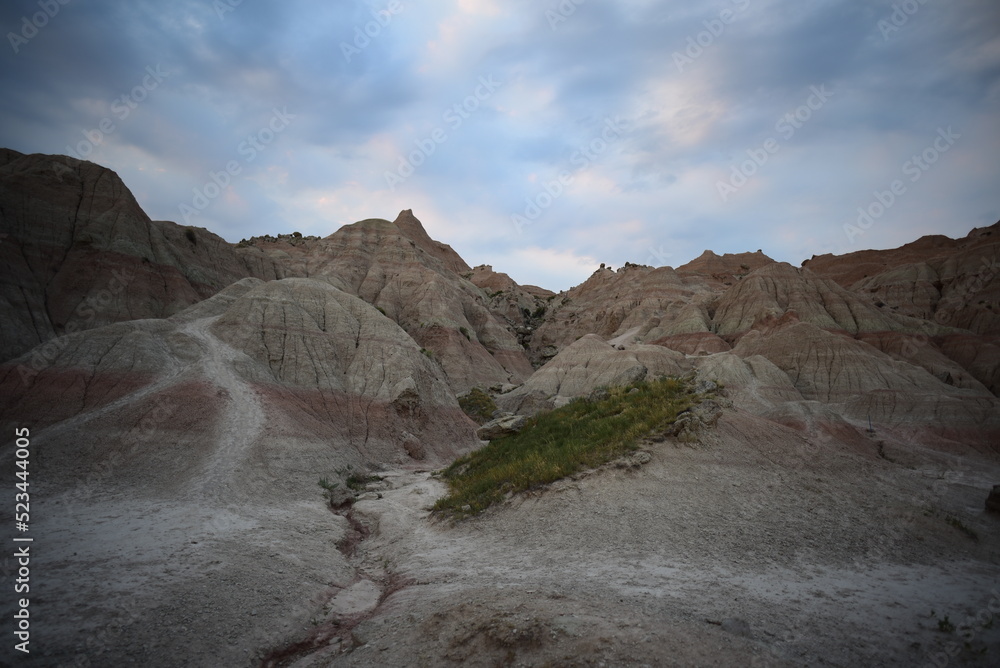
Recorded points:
(754,548)
(703,557)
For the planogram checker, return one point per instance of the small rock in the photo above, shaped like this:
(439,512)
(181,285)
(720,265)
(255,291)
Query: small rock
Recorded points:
(993,500)
(706,386)
(600,394)
(502,426)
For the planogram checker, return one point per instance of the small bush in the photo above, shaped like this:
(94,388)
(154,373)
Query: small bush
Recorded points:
(478,405)
(465,333)
(190,235)
(328,488)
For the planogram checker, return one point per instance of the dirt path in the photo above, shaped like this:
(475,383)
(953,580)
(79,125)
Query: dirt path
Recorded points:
(243,415)
(128,575)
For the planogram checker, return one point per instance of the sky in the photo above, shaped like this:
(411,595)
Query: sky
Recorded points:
(540,137)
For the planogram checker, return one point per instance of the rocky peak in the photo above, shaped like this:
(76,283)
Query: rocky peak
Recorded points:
(408,224)
(726,268)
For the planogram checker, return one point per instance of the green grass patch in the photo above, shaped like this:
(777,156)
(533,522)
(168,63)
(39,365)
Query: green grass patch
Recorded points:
(354,480)
(583,434)
(478,405)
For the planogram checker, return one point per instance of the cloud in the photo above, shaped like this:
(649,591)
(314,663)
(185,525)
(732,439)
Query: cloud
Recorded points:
(562,76)
(546,267)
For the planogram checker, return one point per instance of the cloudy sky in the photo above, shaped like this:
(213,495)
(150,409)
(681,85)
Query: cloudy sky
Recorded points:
(542,137)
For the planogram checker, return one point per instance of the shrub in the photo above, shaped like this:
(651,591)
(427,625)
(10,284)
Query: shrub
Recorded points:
(328,488)
(478,405)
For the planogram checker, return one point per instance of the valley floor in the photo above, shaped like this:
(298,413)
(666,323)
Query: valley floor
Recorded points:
(716,555)
(702,557)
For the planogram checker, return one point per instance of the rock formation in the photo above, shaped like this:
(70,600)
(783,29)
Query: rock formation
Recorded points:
(420,284)
(80,253)
(192,392)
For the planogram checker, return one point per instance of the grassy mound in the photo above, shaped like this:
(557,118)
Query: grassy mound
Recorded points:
(583,434)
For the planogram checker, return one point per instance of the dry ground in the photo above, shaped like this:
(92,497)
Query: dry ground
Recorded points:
(756,547)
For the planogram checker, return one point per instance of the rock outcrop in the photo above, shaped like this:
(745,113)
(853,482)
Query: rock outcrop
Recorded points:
(325,357)
(776,289)
(862,383)
(419,284)
(633,304)
(262,366)
(502,426)
(953,282)
(78,252)
(726,269)
(586,365)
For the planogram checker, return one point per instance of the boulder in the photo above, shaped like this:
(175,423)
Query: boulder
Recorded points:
(993,500)
(502,426)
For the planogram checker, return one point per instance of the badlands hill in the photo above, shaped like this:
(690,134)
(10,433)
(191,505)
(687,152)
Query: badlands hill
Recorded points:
(185,395)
